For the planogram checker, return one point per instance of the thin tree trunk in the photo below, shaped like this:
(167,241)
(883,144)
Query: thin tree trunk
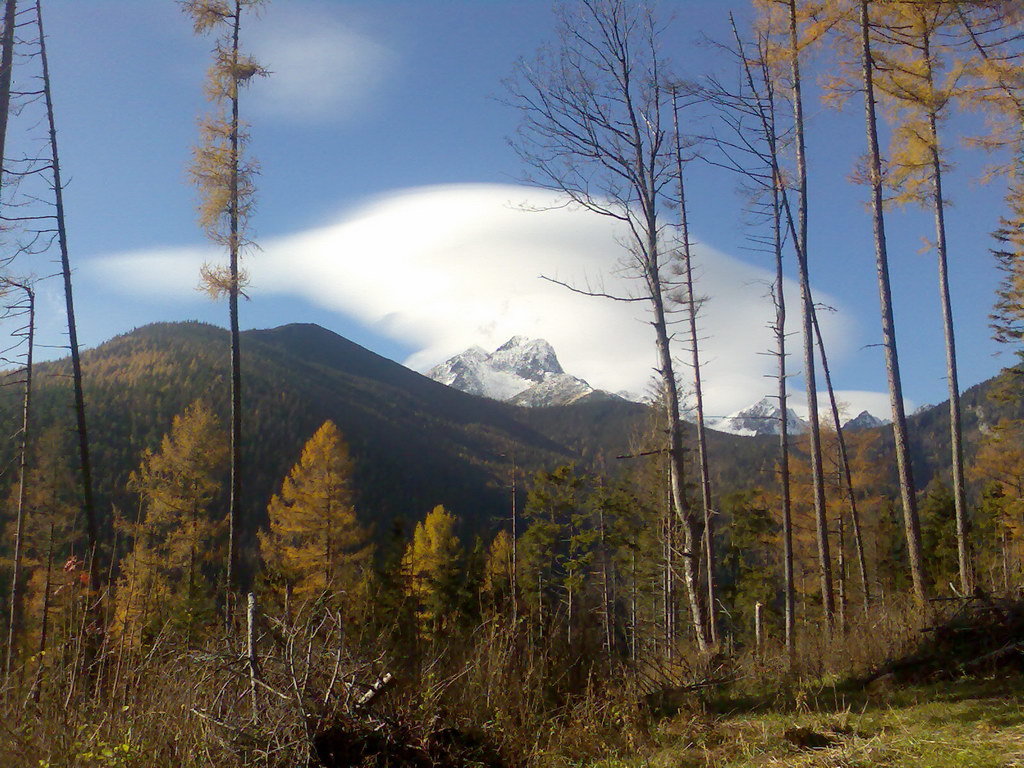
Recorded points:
(702,445)
(899,418)
(789,591)
(515,550)
(806,314)
(844,460)
(605,588)
(632,608)
(691,527)
(91,523)
(234,503)
(955,423)
(253,662)
(6,69)
(841,569)
(14,620)
(44,619)
(765,107)
(666,570)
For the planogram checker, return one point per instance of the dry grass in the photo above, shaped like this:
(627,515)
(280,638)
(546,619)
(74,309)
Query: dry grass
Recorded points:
(492,697)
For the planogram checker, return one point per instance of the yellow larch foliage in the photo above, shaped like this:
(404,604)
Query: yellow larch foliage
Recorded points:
(431,564)
(999,465)
(498,567)
(223,175)
(174,559)
(316,546)
(918,77)
(1000,458)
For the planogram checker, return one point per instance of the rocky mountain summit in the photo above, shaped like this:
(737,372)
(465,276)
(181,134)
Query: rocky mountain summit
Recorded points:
(864,420)
(521,371)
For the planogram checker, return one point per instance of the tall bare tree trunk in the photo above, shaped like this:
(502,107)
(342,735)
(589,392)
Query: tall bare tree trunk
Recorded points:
(806,315)
(515,550)
(44,619)
(688,519)
(234,503)
(955,422)
(698,389)
(905,472)
(14,619)
(789,591)
(6,70)
(91,522)
(841,568)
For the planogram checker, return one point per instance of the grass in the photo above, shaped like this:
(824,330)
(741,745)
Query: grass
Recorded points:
(961,724)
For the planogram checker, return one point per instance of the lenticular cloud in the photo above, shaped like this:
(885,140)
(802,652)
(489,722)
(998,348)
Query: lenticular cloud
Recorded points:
(445,268)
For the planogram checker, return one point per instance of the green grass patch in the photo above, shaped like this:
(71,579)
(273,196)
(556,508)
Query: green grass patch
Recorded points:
(960,724)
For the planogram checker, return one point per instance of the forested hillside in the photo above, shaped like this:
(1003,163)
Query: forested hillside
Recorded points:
(416,443)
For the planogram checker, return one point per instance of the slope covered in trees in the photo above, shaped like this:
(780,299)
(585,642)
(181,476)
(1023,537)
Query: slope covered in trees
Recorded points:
(415,443)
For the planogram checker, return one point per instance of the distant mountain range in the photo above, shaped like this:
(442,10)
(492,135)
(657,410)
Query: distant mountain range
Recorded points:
(527,372)
(764,418)
(415,442)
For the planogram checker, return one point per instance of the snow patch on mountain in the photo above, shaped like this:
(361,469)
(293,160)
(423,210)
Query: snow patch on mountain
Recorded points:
(762,418)
(522,371)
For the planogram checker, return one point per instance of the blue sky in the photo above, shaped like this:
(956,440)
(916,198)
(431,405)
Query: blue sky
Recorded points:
(387,199)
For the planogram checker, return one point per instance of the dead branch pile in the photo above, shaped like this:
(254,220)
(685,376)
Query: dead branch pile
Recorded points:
(983,635)
(351,743)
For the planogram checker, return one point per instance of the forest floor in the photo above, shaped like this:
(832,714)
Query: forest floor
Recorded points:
(969,723)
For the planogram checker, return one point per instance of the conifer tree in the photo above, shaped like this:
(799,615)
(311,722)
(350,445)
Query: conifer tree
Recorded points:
(553,554)
(498,582)
(225,179)
(432,564)
(169,574)
(316,545)
(992,31)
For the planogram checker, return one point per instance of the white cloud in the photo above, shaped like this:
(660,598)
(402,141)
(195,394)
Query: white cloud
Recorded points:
(443,268)
(322,70)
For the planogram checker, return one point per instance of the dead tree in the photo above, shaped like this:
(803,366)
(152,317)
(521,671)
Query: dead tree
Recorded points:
(692,307)
(594,115)
(85,462)
(751,147)
(26,307)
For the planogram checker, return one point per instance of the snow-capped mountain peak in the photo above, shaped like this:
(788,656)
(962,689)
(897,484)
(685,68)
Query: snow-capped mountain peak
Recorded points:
(761,418)
(528,358)
(864,420)
(522,370)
